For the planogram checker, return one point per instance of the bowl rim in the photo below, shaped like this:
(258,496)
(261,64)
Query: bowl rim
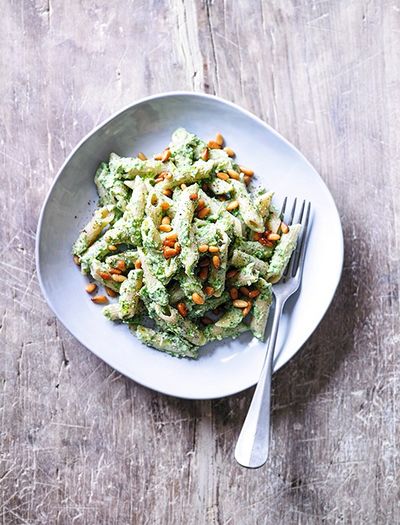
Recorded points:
(171,94)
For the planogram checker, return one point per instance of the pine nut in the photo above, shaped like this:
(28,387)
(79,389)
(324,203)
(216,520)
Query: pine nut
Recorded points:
(172,236)
(138,264)
(177,247)
(171,243)
(158,156)
(246,171)
(165,220)
(164,206)
(77,261)
(200,205)
(168,176)
(222,176)
(246,180)
(212,144)
(203,273)
(158,179)
(206,321)
(233,292)
(239,303)
(112,248)
(246,310)
(104,275)
(193,196)
(229,151)
(121,265)
(169,252)
(273,237)
(119,278)
(205,154)
(232,206)
(213,249)
(233,174)
(165,227)
(99,299)
(182,309)
(231,274)
(203,213)
(197,299)
(165,155)
(115,270)
(154,200)
(142,156)
(110,292)
(219,139)
(216,262)
(204,262)
(209,290)
(284,227)
(244,291)
(254,293)
(183,186)
(168,193)
(203,248)
(91,287)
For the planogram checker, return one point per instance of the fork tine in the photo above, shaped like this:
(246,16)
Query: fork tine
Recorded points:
(300,252)
(290,221)
(282,213)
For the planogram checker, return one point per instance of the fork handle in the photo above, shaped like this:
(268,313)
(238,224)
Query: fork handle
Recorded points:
(253,444)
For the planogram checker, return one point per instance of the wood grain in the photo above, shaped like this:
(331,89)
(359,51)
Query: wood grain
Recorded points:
(81,444)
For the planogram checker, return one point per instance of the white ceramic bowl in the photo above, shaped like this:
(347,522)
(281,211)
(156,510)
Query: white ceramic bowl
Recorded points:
(229,366)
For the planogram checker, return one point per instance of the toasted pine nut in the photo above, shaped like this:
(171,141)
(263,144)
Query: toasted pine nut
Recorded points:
(246,180)
(193,196)
(204,154)
(232,206)
(119,278)
(206,321)
(284,227)
(203,248)
(165,155)
(138,264)
(110,292)
(203,273)
(165,220)
(212,144)
(77,261)
(197,299)
(168,193)
(246,171)
(246,310)
(233,174)
(254,293)
(239,303)
(165,227)
(216,261)
(177,247)
(121,265)
(167,176)
(112,248)
(231,273)
(91,287)
(213,249)
(169,243)
(273,237)
(229,151)
(164,174)
(182,309)
(104,275)
(141,156)
(244,291)
(158,179)
(158,156)
(172,236)
(219,139)
(200,205)
(209,290)
(164,206)
(222,175)
(204,262)
(203,213)
(115,270)
(169,252)
(233,292)
(99,299)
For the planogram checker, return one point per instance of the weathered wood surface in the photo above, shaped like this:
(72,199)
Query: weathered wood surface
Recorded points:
(81,444)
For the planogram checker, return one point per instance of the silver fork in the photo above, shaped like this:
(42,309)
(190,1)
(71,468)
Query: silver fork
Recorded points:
(253,444)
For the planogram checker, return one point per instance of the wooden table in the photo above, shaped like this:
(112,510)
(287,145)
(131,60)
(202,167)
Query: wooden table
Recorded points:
(80,443)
